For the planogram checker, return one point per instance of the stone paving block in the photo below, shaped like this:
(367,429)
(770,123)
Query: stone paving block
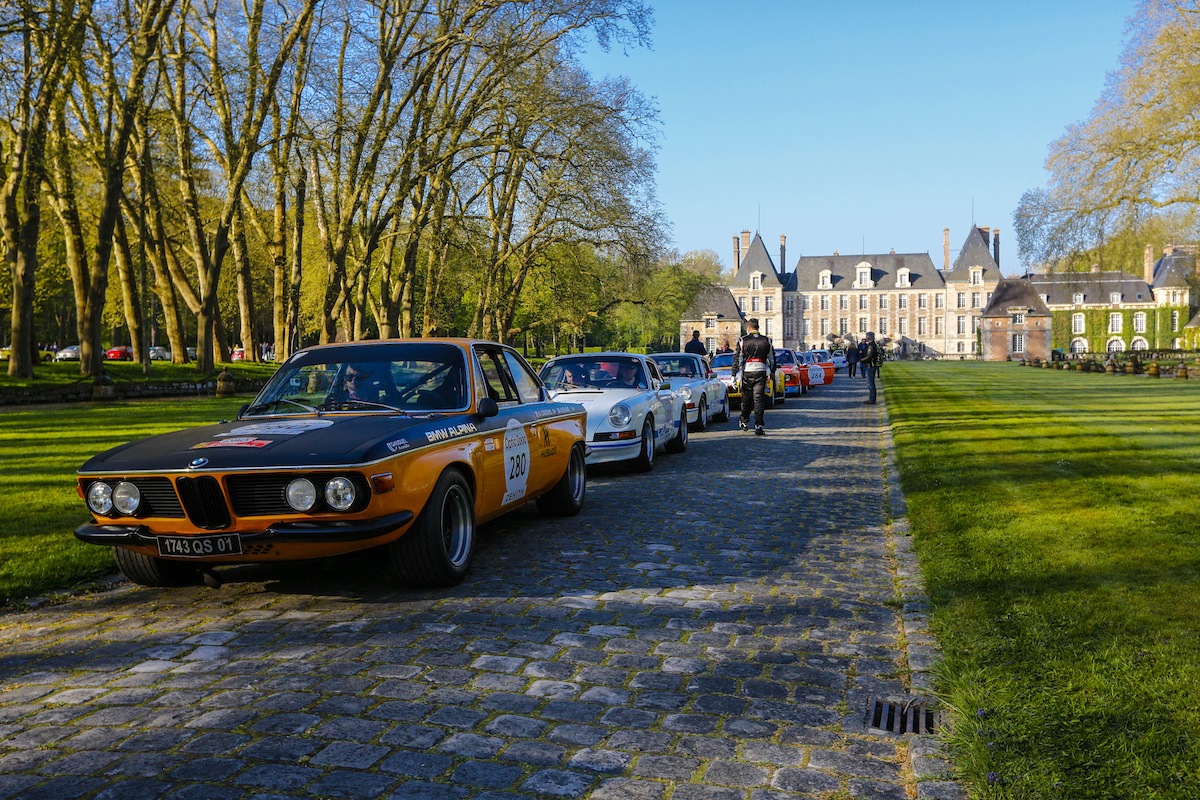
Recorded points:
(486,774)
(352,784)
(348,754)
(558,783)
(541,754)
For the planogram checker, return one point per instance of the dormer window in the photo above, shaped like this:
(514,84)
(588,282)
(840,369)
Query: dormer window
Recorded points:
(1115,298)
(826,280)
(1077,298)
(902,277)
(863,276)
(755,282)
(976,276)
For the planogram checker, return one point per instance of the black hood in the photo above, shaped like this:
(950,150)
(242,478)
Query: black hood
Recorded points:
(335,440)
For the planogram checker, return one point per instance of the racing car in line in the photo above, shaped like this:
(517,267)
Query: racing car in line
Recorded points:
(401,445)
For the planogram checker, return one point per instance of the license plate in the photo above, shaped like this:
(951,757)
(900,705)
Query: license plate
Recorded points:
(223,544)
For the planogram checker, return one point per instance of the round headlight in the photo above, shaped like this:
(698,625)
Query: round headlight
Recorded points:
(619,415)
(685,392)
(126,497)
(301,494)
(340,494)
(99,497)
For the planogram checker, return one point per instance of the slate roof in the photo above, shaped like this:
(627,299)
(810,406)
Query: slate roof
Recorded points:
(713,300)
(1096,287)
(1171,271)
(922,274)
(757,259)
(1015,293)
(975,252)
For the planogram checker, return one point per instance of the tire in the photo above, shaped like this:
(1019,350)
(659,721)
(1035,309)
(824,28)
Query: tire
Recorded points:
(679,442)
(644,461)
(566,498)
(723,414)
(701,414)
(150,571)
(437,550)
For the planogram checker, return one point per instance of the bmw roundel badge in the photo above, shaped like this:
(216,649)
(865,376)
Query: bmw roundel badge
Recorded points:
(197,462)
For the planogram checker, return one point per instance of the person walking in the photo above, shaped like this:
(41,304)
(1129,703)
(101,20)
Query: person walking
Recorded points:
(755,356)
(851,360)
(696,346)
(871,362)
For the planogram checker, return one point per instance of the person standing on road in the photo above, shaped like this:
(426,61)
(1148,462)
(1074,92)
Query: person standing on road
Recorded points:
(696,346)
(851,360)
(872,361)
(862,356)
(755,356)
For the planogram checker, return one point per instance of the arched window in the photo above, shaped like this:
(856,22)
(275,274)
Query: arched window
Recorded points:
(1115,345)
(1079,346)
(1139,344)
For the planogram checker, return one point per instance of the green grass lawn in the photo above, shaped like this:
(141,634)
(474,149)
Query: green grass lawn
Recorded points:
(65,373)
(1055,518)
(40,449)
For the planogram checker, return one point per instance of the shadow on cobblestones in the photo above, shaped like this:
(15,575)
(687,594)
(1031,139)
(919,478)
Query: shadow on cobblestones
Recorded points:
(711,629)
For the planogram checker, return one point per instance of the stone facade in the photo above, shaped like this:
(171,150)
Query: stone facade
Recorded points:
(1016,323)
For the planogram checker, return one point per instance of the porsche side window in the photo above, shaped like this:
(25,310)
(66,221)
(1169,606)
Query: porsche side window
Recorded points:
(496,380)
(655,375)
(527,385)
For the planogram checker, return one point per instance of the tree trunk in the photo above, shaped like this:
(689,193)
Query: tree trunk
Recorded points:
(245,289)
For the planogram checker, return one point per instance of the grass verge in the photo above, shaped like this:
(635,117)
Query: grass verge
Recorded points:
(1054,516)
(40,449)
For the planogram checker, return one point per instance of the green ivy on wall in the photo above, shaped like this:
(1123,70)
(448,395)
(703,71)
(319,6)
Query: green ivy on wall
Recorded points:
(1158,333)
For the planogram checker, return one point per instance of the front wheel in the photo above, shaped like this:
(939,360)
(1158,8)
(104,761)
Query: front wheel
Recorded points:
(566,498)
(723,414)
(151,571)
(702,414)
(437,549)
(679,441)
(644,461)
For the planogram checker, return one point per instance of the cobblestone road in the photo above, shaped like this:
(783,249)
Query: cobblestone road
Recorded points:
(713,630)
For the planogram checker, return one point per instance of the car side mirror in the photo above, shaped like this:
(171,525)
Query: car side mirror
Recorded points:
(242,411)
(487,408)
(665,385)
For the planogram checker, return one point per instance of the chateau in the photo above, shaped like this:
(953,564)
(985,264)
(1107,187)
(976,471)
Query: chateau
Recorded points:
(915,308)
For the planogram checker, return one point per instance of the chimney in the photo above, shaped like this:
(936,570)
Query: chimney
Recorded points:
(737,253)
(946,247)
(987,236)
(782,253)
(745,242)
(996,246)
(1148,264)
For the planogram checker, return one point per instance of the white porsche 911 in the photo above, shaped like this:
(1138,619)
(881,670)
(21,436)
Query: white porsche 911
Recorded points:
(692,378)
(631,409)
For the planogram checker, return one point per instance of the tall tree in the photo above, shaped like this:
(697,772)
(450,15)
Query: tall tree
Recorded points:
(223,63)
(37,43)
(1136,156)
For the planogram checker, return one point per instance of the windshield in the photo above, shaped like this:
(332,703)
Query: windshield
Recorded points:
(723,360)
(784,357)
(679,365)
(594,372)
(398,377)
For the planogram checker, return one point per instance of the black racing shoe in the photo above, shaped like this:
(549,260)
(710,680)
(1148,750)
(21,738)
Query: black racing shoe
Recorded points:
(743,425)
(759,430)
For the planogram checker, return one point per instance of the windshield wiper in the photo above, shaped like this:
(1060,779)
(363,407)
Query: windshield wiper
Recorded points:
(345,405)
(273,403)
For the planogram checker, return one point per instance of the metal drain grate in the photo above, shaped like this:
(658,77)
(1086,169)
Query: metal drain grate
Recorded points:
(889,716)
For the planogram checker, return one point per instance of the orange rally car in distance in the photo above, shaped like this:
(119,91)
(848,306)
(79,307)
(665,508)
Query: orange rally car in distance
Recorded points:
(405,445)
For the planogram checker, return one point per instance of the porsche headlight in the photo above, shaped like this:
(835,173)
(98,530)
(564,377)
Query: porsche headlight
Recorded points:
(619,415)
(126,498)
(685,392)
(340,494)
(301,494)
(99,497)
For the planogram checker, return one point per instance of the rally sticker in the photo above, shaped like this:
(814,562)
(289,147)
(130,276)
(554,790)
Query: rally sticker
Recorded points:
(287,427)
(816,374)
(397,445)
(516,461)
(442,434)
(237,441)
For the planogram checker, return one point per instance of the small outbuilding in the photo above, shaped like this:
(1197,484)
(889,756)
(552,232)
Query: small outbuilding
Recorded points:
(1016,323)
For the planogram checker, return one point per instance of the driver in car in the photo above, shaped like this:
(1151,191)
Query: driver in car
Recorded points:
(369,383)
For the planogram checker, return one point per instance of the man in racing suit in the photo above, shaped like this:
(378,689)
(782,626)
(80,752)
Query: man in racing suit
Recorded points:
(755,356)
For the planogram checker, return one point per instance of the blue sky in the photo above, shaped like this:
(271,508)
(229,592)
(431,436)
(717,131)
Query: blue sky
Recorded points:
(863,126)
